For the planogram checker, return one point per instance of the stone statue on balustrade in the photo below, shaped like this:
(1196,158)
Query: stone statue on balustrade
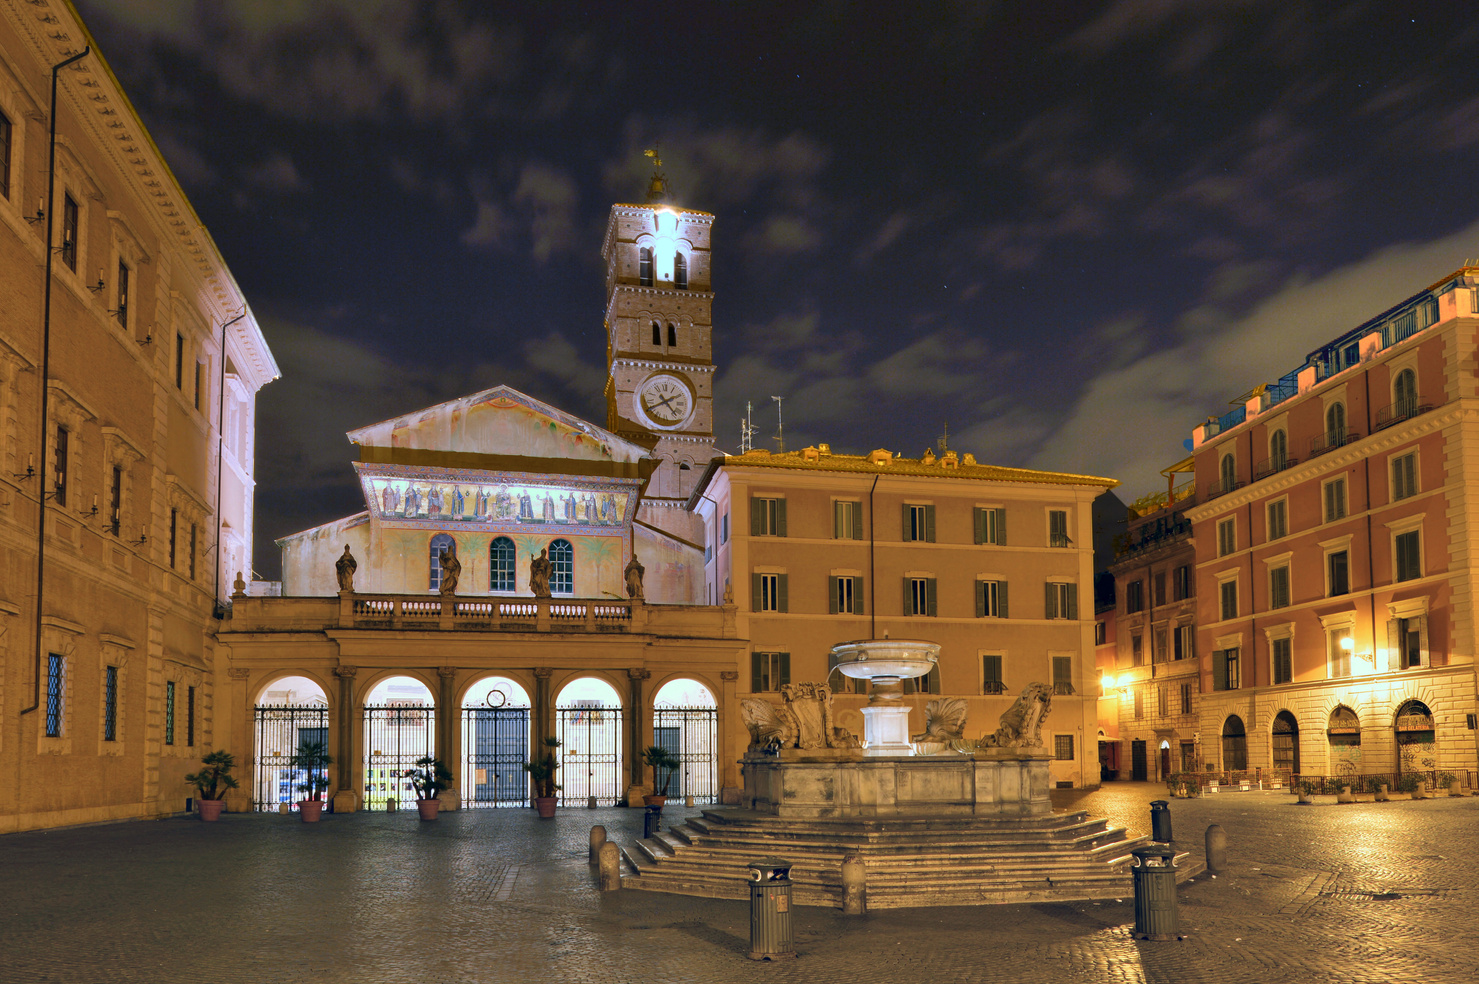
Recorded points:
(540,570)
(634,573)
(344,569)
(451,570)
(803,721)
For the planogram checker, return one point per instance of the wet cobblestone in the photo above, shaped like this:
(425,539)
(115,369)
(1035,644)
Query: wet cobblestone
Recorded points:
(1362,892)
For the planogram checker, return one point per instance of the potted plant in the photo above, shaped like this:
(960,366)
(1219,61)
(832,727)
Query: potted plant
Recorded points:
(212,781)
(663,764)
(313,759)
(542,771)
(429,777)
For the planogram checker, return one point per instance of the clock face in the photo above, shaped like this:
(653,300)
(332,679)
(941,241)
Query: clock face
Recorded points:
(664,400)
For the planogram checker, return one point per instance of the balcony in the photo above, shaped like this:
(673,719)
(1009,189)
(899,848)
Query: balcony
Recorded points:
(1272,466)
(1400,411)
(1059,540)
(1331,440)
(1221,487)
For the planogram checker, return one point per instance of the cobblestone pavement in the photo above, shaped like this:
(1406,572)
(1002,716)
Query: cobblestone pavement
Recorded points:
(1363,892)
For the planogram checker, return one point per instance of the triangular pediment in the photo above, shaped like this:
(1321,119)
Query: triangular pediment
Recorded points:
(502,422)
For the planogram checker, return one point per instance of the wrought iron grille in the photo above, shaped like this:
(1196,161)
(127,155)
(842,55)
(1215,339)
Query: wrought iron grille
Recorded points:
(110,704)
(54,669)
(495,746)
(590,755)
(280,730)
(690,733)
(395,737)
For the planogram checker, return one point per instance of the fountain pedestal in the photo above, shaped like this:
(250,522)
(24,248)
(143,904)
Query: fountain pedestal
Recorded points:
(886,664)
(886,729)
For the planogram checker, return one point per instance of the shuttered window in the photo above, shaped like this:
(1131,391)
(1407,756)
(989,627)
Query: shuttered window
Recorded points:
(846,594)
(1408,548)
(991,526)
(767,516)
(919,596)
(991,682)
(847,520)
(1404,475)
(769,671)
(1061,600)
(919,523)
(991,599)
(769,593)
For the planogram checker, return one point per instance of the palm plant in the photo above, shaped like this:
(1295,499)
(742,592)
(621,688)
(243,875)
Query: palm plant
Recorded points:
(429,777)
(313,758)
(214,777)
(663,764)
(542,769)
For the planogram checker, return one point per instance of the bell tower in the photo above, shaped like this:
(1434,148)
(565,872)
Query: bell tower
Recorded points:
(659,344)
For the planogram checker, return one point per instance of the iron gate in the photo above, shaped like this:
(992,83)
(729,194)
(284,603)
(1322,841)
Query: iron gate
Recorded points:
(690,734)
(590,755)
(395,737)
(495,746)
(280,729)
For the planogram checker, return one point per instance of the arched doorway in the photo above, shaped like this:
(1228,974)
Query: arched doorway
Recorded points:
(1416,739)
(1165,759)
(1286,743)
(685,722)
(495,744)
(1344,734)
(1234,745)
(400,727)
(289,712)
(588,713)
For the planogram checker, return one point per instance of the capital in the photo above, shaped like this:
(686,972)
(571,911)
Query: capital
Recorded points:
(543,672)
(638,673)
(729,676)
(346,672)
(446,672)
(239,673)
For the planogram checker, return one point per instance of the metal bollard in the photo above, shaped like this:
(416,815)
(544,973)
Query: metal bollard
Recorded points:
(390,804)
(1154,870)
(688,801)
(770,910)
(598,838)
(854,885)
(1216,844)
(610,867)
(651,820)
(590,803)
(1160,821)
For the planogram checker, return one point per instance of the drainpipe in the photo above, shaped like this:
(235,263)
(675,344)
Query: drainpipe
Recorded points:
(220,609)
(1370,562)
(872,572)
(45,373)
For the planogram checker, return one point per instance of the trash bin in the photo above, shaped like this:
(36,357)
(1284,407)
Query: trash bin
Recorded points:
(1160,821)
(770,910)
(651,820)
(1154,871)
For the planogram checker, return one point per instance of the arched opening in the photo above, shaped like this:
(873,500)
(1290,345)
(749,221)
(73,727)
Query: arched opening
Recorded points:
(685,720)
(1286,743)
(439,543)
(1228,472)
(501,556)
(1278,451)
(400,727)
(290,711)
(562,567)
(1335,425)
(680,272)
(1344,735)
(672,335)
(1417,746)
(1234,745)
(495,744)
(656,333)
(1165,759)
(644,266)
(589,726)
(1404,394)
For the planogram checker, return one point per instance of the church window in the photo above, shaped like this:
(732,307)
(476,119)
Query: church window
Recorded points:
(562,563)
(644,266)
(680,272)
(656,333)
(672,334)
(440,542)
(4,156)
(501,564)
(70,220)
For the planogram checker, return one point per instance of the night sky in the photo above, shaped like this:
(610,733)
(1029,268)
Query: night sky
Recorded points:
(1069,231)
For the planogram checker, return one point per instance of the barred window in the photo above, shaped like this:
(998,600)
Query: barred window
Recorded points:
(169,712)
(501,556)
(110,704)
(56,681)
(1063,748)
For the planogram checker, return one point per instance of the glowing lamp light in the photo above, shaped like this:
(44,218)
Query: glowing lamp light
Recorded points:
(1106,684)
(665,246)
(1348,644)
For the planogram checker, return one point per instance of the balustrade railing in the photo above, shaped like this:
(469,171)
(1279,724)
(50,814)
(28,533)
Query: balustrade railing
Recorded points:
(540,614)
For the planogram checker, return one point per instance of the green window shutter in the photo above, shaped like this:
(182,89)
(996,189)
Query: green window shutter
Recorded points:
(757,516)
(1050,608)
(908,596)
(990,672)
(757,679)
(756,590)
(837,527)
(1073,601)
(785,661)
(832,593)
(780,517)
(857,527)
(1393,660)
(980,516)
(929,524)
(780,593)
(929,595)
(980,599)
(1219,670)
(1001,599)
(857,596)
(907,534)
(836,682)
(1001,527)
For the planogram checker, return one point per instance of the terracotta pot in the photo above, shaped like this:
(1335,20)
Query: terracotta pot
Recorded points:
(310,810)
(210,810)
(654,801)
(428,808)
(546,806)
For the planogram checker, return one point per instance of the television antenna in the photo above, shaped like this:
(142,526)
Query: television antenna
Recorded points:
(747,430)
(780,426)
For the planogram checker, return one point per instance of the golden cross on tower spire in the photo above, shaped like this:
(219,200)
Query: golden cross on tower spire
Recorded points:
(657,188)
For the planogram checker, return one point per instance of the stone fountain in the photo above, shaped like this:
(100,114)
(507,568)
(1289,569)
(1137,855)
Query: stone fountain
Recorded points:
(886,664)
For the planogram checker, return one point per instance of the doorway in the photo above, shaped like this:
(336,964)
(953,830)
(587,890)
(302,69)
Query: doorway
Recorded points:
(1137,761)
(1286,744)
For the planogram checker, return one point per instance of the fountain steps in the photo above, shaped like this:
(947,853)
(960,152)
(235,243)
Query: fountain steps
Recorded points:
(925,862)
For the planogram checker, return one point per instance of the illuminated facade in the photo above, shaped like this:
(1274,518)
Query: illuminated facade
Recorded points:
(1334,529)
(144,367)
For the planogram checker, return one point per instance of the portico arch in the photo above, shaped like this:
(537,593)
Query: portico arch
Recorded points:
(400,727)
(685,715)
(1234,744)
(291,709)
(1416,738)
(1344,736)
(495,742)
(1285,735)
(588,715)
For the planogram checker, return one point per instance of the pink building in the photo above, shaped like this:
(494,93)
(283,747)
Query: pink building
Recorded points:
(1335,534)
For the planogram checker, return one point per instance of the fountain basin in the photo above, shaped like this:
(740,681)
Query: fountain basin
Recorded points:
(885,663)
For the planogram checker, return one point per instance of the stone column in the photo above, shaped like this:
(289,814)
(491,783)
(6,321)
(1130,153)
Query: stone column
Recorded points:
(639,724)
(449,732)
(241,742)
(346,757)
(730,783)
(544,722)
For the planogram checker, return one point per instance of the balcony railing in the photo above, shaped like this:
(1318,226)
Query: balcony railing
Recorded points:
(1331,440)
(1400,411)
(532,614)
(1059,540)
(1272,466)
(1221,487)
